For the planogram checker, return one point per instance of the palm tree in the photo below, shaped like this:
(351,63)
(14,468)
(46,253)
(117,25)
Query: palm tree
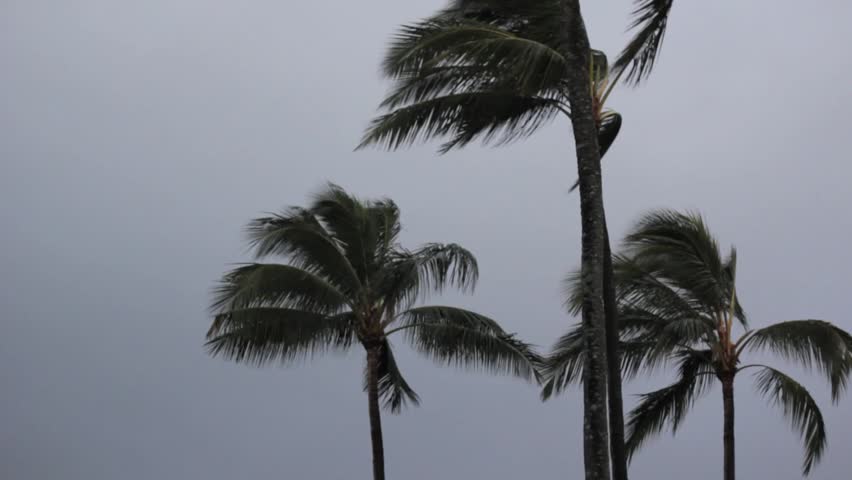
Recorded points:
(347,279)
(494,70)
(497,70)
(679,304)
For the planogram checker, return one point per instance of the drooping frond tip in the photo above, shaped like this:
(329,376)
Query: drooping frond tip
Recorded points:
(800,408)
(650,19)
(669,404)
(810,343)
(393,388)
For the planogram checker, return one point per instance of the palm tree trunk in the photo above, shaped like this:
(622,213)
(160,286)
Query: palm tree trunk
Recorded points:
(616,404)
(728,432)
(574,45)
(375,414)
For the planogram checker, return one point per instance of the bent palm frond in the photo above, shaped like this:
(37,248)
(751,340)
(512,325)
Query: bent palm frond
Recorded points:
(454,336)
(799,407)
(638,57)
(670,404)
(393,388)
(811,343)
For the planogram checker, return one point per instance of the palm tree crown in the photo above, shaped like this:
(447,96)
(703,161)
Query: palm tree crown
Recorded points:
(481,70)
(679,305)
(348,280)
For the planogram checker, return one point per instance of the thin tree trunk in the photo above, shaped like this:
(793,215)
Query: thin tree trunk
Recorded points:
(574,46)
(375,414)
(616,404)
(728,432)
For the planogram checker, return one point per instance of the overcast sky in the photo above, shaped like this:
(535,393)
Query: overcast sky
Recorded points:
(137,139)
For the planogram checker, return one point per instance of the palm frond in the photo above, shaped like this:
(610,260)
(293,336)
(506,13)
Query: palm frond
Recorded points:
(681,251)
(490,115)
(641,355)
(297,234)
(347,220)
(454,336)
(797,405)
(638,57)
(276,285)
(564,365)
(670,404)
(393,389)
(811,343)
(638,287)
(443,315)
(465,79)
(532,66)
(650,311)
(409,275)
(446,264)
(429,83)
(261,335)
(398,282)
(537,19)
(385,227)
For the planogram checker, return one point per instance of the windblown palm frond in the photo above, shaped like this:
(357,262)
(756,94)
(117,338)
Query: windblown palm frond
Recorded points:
(392,386)
(797,405)
(681,250)
(564,365)
(638,57)
(276,285)
(347,219)
(811,343)
(298,235)
(262,335)
(647,304)
(408,275)
(455,336)
(670,404)
(383,232)
(441,265)
(499,116)
(465,74)
(531,66)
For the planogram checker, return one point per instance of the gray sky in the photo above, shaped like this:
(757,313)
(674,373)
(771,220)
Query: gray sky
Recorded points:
(137,138)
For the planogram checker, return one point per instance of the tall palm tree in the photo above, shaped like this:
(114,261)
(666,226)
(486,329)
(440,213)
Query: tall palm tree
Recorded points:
(679,305)
(348,280)
(495,70)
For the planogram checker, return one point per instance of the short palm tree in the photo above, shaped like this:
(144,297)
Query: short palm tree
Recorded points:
(679,305)
(348,280)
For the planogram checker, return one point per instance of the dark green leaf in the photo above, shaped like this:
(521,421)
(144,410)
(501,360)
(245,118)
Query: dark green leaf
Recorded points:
(799,407)
(260,336)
